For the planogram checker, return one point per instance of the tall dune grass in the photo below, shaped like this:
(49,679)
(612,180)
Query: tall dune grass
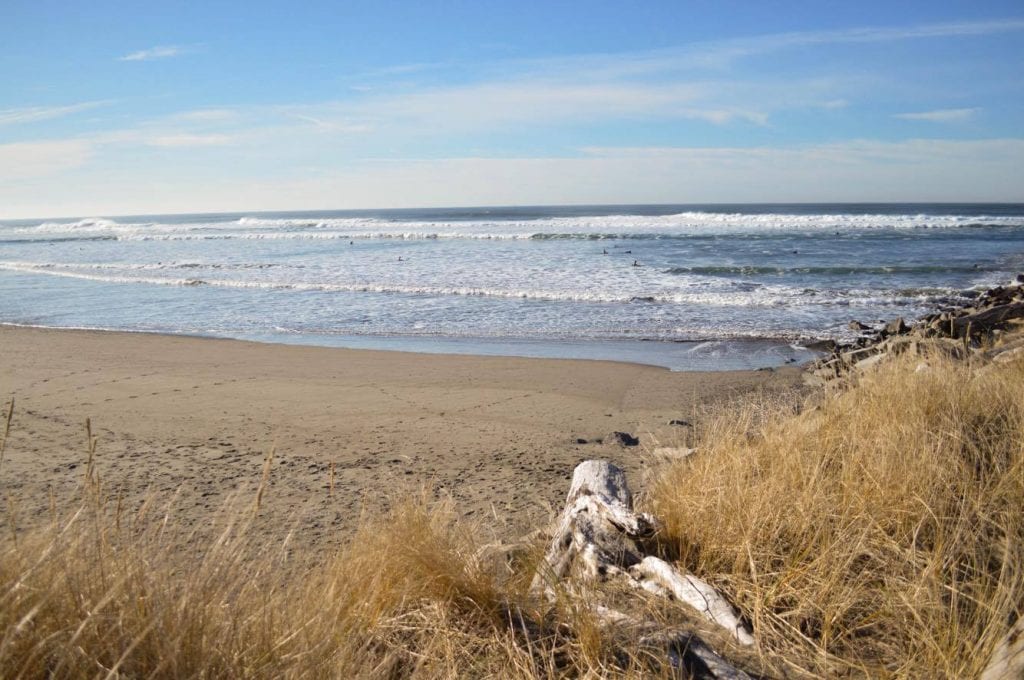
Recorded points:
(105,594)
(878,533)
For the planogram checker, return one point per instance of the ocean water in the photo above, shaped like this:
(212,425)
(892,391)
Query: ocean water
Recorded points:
(687,287)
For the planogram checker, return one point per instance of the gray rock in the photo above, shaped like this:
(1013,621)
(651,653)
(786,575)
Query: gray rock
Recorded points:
(896,327)
(624,439)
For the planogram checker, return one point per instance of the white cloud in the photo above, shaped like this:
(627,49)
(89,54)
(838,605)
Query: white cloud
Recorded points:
(835,104)
(722,53)
(940,115)
(32,114)
(910,170)
(159,52)
(857,171)
(875,34)
(340,126)
(403,69)
(619,86)
(207,115)
(188,139)
(26,160)
(500,105)
(724,116)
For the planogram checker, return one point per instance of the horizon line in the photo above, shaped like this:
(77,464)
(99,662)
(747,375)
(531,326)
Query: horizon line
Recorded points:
(512,206)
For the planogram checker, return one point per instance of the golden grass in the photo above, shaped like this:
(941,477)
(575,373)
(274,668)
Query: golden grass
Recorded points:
(104,594)
(878,533)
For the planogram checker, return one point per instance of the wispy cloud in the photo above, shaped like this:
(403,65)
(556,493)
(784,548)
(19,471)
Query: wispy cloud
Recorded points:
(497,105)
(876,34)
(864,170)
(922,169)
(835,104)
(158,52)
(404,69)
(23,160)
(718,54)
(339,126)
(864,153)
(940,115)
(208,115)
(188,140)
(32,114)
(667,84)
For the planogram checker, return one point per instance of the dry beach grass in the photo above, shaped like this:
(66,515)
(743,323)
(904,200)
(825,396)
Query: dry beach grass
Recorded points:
(875,531)
(878,533)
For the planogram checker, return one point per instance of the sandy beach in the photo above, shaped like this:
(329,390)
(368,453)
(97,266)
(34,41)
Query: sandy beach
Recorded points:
(197,416)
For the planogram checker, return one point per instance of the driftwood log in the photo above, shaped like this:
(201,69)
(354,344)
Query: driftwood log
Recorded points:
(596,537)
(1007,661)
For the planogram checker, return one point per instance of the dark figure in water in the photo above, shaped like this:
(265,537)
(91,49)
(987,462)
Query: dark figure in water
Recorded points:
(604,251)
(399,258)
(636,263)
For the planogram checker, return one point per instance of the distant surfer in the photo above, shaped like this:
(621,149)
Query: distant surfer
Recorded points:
(636,263)
(604,251)
(399,258)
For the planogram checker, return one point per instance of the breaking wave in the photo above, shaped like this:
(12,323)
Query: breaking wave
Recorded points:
(750,270)
(598,227)
(733,296)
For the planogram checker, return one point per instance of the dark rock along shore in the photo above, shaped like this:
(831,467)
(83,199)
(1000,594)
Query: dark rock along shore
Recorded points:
(986,326)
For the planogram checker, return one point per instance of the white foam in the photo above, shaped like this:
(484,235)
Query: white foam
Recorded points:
(694,294)
(599,226)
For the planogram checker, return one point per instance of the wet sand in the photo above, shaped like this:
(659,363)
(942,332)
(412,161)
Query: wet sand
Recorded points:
(197,416)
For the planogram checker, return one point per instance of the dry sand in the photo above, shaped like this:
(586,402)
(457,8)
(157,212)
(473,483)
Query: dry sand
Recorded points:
(197,416)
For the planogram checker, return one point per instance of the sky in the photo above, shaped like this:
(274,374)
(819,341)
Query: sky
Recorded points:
(115,108)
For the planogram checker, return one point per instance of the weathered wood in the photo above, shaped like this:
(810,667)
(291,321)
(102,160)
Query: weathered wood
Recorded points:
(672,453)
(658,576)
(597,532)
(685,650)
(1007,662)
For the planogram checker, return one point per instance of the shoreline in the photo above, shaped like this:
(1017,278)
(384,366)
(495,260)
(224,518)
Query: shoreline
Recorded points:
(704,355)
(196,416)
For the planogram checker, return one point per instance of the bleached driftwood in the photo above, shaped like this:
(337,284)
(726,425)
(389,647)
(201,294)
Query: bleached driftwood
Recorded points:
(597,533)
(682,648)
(671,454)
(1007,662)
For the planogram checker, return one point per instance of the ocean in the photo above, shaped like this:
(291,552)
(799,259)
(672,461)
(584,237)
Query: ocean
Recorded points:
(689,287)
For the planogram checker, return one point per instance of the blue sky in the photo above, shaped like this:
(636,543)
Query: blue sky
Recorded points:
(111,108)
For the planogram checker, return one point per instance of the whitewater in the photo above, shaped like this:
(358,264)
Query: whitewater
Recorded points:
(688,287)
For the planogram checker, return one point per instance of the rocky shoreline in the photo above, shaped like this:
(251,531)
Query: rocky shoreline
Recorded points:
(989,327)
